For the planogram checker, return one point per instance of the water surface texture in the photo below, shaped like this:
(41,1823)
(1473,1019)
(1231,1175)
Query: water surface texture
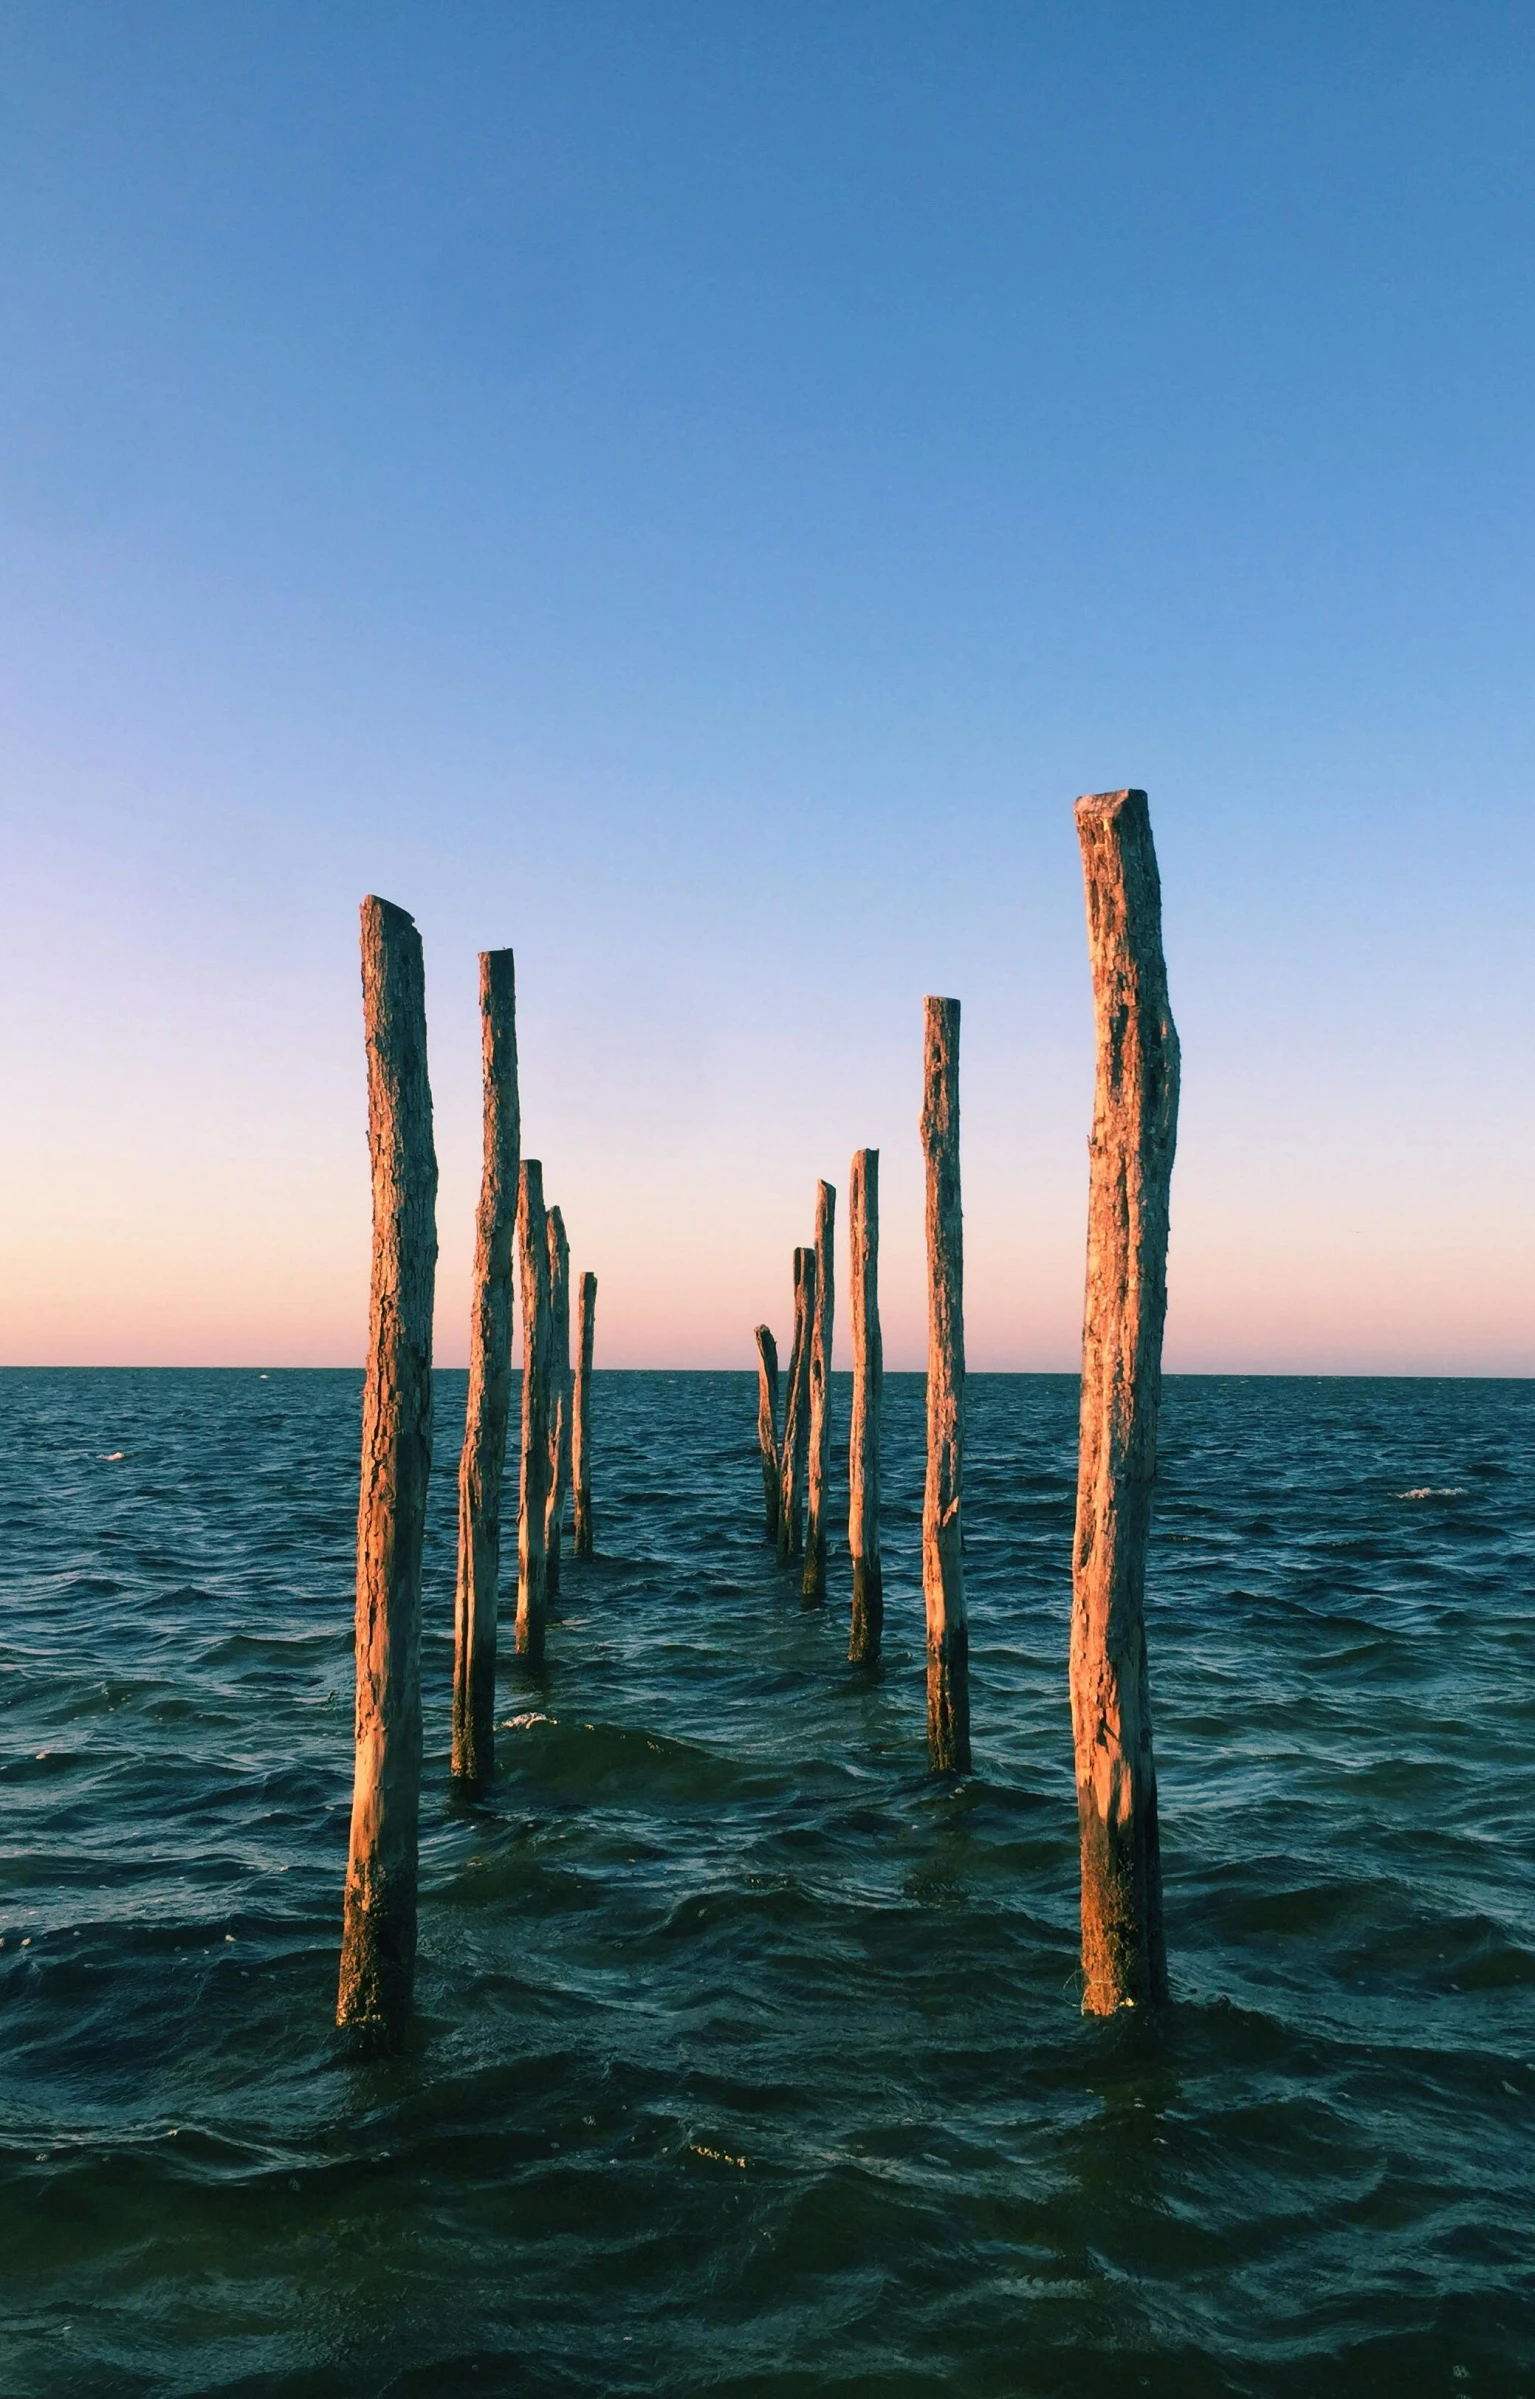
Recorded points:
(749,2058)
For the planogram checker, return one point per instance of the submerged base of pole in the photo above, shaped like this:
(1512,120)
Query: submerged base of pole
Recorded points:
(868,1627)
(378,1958)
(1124,1956)
(948,1703)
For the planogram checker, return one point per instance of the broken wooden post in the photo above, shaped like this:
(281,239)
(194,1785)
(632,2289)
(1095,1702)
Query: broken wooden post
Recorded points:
(767,1427)
(559,1395)
(378,1941)
(482,1464)
(943,1568)
(796,1414)
(1135,1127)
(813,1587)
(582,1543)
(537,1343)
(863,1434)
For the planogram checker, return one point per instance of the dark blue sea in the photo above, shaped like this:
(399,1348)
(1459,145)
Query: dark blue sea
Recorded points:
(749,2058)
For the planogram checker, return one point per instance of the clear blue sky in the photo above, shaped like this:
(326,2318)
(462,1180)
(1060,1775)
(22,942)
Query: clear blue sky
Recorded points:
(695,491)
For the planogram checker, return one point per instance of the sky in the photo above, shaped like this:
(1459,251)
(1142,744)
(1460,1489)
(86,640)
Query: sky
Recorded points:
(693,492)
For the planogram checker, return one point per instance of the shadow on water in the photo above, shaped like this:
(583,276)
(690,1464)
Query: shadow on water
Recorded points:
(748,2058)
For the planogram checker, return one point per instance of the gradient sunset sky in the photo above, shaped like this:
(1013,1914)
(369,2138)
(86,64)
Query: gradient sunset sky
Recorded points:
(694,492)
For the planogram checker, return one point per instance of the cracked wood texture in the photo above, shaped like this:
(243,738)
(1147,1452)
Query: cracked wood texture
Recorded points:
(582,1543)
(795,1445)
(943,1565)
(813,1585)
(559,1396)
(378,1942)
(1135,1125)
(767,1427)
(537,1349)
(868,1619)
(482,1465)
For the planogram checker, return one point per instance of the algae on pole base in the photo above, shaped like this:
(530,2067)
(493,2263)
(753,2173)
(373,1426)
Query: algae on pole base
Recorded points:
(482,1464)
(1135,1129)
(537,1346)
(863,1434)
(581,1540)
(796,1415)
(943,1568)
(767,1427)
(559,1395)
(378,1942)
(813,1587)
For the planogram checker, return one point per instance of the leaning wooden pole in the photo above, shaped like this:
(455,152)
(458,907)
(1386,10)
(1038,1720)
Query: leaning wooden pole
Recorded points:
(378,1941)
(813,1587)
(537,1345)
(559,1395)
(868,1622)
(482,1463)
(1135,1129)
(794,1447)
(582,1543)
(943,1566)
(767,1428)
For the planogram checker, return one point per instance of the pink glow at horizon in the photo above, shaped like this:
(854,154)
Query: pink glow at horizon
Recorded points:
(238,1232)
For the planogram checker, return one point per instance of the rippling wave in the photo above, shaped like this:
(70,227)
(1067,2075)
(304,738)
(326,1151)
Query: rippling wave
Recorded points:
(748,2057)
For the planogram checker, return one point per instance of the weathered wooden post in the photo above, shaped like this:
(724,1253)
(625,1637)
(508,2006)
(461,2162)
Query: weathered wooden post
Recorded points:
(482,1464)
(863,1437)
(582,1543)
(943,1567)
(559,1395)
(378,1941)
(1135,1129)
(767,1427)
(813,1587)
(796,1414)
(537,1344)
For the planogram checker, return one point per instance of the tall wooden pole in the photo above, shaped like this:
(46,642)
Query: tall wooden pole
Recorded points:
(813,1587)
(559,1394)
(943,1566)
(378,1941)
(482,1463)
(863,1436)
(582,1543)
(796,1414)
(767,1427)
(537,1345)
(1135,1129)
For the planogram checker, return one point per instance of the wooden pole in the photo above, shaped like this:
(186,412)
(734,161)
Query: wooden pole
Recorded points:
(559,1394)
(767,1427)
(943,1567)
(813,1587)
(796,1415)
(482,1463)
(863,1437)
(537,1344)
(582,1544)
(378,1941)
(1135,1129)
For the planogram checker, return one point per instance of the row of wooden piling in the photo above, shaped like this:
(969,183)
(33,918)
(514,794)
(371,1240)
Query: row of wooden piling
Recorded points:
(378,1947)
(1131,1155)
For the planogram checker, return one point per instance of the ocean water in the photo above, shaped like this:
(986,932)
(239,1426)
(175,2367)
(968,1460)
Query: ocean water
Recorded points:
(749,2058)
